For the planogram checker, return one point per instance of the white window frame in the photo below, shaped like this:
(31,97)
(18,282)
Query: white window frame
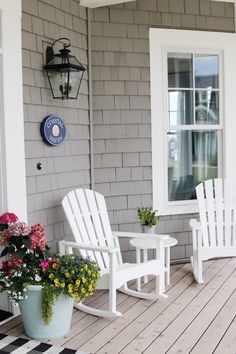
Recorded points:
(163,41)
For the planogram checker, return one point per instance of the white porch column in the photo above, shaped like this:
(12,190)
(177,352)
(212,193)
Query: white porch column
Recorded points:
(12,125)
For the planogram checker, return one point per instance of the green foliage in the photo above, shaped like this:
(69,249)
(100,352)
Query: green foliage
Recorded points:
(48,298)
(147,216)
(68,275)
(28,261)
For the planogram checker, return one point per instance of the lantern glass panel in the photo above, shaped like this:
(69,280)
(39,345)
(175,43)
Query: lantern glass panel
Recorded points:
(59,83)
(74,61)
(65,84)
(75,81)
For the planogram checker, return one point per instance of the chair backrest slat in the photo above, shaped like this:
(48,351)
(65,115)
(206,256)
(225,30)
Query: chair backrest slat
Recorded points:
(76,222)
(217,209)
(228,212)
(88,218)
(234,218)
(104,219)
(219,204)
(203,213)
(85,212)
(96,222)
(210,212)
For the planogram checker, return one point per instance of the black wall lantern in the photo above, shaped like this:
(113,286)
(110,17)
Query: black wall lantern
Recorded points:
(64,71)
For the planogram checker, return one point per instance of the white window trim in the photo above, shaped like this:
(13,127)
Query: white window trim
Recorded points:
(162,40)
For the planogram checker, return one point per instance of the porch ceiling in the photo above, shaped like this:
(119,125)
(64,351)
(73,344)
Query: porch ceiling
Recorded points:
(100,3)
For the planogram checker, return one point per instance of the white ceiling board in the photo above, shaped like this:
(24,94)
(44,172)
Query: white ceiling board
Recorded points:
(100,3)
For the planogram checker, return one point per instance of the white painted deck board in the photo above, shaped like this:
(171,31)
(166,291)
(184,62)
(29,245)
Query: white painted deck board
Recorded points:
(196,319)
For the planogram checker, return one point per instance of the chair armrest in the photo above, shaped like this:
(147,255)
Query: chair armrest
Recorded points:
(83,246)
(195,225)
(140,235)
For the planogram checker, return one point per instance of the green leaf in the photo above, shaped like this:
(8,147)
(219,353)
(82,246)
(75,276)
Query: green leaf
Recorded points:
(21,253)
(4,252)
(27,243)
(3,227)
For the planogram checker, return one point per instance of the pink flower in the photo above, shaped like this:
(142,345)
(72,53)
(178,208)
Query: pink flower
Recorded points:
(37,237)
(17,229)
(44,264)
(8,218)
(4,265)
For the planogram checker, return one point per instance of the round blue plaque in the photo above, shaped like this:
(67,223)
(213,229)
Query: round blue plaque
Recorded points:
(53,130)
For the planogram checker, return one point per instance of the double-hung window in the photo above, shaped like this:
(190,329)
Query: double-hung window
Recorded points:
(191,100)
(193,129)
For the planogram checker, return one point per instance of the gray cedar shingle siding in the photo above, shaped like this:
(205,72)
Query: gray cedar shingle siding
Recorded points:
(67,166)
(121,98)
(121,89)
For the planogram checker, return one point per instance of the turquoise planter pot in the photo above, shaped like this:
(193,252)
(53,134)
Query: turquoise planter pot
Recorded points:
(31,311)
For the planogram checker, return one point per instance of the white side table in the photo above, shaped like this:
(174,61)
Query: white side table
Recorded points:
(145,244)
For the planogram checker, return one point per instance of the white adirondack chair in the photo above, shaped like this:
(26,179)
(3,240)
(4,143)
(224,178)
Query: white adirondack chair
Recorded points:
(215,235)
(88,219)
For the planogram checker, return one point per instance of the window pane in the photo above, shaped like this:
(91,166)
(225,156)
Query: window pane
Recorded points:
(180,72)
(206,71)
(192,158)
(207,107)
(180,107)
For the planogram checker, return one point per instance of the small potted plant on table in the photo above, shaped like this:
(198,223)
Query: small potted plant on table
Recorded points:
(148,218)
(44,285)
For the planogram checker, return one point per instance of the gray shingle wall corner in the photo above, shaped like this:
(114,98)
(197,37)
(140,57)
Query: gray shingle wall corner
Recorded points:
(121,93)
(68,165)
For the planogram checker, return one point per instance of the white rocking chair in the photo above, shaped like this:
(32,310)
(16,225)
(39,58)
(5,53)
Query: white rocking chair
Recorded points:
(88,219)
(215,235)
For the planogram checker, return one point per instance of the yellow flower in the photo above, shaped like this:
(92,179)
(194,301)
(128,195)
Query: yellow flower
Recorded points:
(90,287)
(76,288)
(67,275)
(51,276)
(70,288)
(56,280)
(63,285)
(77,282)
(84,280)
(54,265)
(86,267)
(75,296)
(57,283)
(83,290)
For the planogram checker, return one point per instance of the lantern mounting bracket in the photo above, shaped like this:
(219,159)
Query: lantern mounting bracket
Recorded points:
(50,51)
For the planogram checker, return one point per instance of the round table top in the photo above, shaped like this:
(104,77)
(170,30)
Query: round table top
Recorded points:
(145,243)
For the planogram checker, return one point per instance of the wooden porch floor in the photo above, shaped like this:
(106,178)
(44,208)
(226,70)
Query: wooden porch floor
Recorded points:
(198,319)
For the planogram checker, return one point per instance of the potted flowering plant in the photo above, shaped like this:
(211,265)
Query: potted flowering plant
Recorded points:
(43,284)
(148,218)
